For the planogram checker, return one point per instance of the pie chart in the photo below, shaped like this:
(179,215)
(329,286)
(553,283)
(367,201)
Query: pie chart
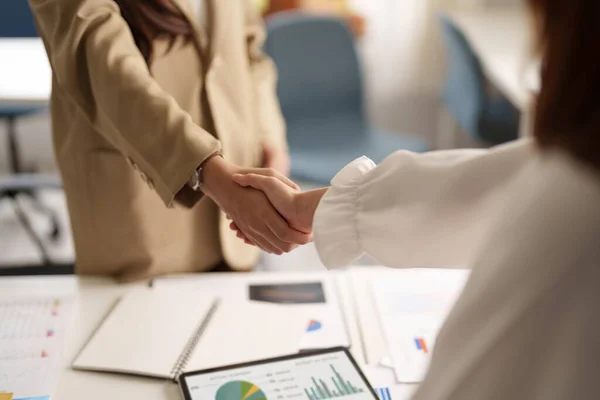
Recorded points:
(240,390)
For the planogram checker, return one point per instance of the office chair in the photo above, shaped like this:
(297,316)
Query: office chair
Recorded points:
(483,115)
(321,94)
(16,20)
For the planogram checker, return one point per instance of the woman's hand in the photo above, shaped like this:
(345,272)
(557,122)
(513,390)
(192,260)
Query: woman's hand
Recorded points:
(250,209)
(298,208)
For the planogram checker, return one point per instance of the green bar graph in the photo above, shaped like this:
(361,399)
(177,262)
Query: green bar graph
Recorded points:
(320,390)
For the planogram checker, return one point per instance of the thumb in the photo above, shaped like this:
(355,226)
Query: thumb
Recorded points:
(255,181)
(275,190)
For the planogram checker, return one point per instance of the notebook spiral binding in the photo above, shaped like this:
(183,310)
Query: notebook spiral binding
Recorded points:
(185,355)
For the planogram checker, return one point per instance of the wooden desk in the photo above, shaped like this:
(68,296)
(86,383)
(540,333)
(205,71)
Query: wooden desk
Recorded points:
(502,39)
(25,74)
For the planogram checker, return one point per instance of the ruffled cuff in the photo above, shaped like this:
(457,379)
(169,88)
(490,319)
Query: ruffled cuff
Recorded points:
(335,229)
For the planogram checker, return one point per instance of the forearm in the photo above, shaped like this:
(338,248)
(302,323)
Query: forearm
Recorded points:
(97,65)
(415,209)
(308,203)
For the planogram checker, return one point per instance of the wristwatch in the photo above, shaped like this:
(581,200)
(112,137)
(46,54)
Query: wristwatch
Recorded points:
(196,180)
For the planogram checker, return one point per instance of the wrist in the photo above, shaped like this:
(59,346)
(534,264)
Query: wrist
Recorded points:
(216,172)
(307,203)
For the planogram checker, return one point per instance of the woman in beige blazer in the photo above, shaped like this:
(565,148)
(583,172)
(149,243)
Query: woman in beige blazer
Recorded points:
(145,96)
(525,217)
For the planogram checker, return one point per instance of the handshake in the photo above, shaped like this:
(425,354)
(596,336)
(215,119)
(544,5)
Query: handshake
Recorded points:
(266,208)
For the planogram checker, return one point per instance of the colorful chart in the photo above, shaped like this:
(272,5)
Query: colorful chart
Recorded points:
(240,390)
(383,393)
(421,345)
(313,325)
(321,390)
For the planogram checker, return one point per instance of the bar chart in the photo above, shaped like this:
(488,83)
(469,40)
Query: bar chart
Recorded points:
(339,387)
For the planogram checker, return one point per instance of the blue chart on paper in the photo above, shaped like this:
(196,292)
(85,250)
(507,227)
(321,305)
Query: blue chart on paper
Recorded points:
(313,325)
(383,393)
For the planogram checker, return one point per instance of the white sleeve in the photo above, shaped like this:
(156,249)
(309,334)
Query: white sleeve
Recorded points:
(415,210)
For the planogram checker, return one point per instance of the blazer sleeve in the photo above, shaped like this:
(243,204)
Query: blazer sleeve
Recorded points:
(96,64)
(264,75)
(416,210)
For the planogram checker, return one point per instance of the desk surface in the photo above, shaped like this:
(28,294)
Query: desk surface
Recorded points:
(502,38)
(25,74)
(96,296)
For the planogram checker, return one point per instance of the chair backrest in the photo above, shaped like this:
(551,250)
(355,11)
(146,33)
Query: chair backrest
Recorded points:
(16,19)
(319,72)
(464,93)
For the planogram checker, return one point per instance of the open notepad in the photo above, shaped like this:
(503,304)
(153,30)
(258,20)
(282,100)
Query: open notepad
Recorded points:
(163,332)
(151,332)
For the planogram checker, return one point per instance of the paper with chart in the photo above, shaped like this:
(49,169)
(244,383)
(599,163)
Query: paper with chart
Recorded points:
(312,298)
(32,332)
(412,306)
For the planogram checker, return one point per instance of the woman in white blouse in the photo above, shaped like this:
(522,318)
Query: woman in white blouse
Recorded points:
(524,216)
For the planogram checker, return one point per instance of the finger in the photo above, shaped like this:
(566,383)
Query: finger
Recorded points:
(259,236)
(266,244)
(286,180)
(265,238)
(246,240)
(259,182)
(269,172)
(284,232)
(276,236)
(233,226)
(242,236)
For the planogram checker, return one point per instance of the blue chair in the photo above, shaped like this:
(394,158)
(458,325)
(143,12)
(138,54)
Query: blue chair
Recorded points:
(321,94)
(16,20)
(490,118)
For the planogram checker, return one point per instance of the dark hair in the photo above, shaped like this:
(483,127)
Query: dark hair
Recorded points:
(568,105)
(151,19)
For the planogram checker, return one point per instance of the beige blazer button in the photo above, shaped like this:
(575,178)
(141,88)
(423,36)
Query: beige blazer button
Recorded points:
(144,177)
(151,184)
(132,163)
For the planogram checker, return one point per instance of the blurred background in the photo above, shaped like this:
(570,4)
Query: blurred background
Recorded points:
(413,74)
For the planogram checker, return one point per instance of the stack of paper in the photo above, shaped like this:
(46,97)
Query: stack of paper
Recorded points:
(32,332)
(412,306)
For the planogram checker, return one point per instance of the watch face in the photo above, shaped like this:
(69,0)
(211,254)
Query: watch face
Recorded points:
(194,181)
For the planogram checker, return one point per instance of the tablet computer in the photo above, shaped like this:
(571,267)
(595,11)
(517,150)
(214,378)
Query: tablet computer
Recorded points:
(324,374)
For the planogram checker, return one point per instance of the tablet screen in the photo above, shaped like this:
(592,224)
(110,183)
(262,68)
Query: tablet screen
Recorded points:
(303,377)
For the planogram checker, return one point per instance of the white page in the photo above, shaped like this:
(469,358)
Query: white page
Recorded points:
(241,331)
(146,332)
(32,335)
(333,330)
(412,306)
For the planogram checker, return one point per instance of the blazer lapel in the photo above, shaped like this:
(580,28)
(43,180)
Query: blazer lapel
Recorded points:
(219,18)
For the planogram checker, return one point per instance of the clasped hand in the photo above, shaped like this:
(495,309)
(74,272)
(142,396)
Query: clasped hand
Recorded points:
(267,209)
(298,208)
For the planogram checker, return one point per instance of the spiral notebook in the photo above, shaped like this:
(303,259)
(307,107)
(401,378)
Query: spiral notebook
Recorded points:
(150,332)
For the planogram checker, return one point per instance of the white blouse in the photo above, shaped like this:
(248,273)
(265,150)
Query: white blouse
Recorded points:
(527,223)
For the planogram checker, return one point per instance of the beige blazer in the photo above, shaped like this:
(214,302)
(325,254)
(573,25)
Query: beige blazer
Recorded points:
(127,139)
